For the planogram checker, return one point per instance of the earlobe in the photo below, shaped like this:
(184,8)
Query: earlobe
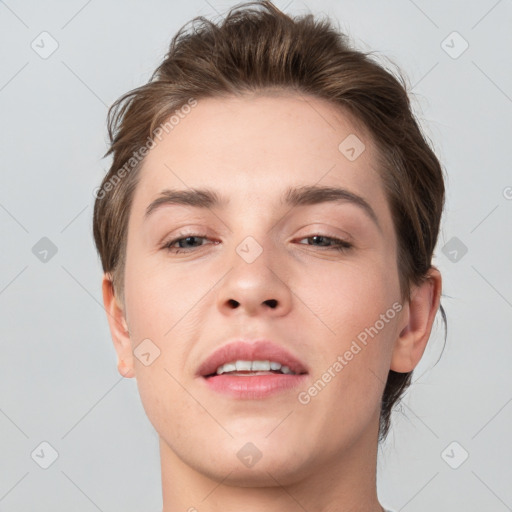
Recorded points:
(125,370)
(419,317)
(118,328)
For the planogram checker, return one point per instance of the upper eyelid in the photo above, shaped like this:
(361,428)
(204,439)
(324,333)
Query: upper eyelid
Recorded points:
(200,231)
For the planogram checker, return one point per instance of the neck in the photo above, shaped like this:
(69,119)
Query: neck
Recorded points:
(345,482)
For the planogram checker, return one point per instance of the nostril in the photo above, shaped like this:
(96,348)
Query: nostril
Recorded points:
(272,303)
(233,303)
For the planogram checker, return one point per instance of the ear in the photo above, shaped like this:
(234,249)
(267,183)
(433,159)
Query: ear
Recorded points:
(417,323)
(118,329)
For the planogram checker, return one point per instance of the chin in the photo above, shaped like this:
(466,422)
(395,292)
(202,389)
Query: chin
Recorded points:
(257,463)
(267,472)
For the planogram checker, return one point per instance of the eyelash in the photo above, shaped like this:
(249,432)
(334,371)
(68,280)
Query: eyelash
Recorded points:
(340,245)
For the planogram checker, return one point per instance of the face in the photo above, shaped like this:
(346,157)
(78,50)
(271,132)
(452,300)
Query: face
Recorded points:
(317,277)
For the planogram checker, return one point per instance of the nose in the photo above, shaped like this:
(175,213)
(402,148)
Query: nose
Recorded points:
(255,287)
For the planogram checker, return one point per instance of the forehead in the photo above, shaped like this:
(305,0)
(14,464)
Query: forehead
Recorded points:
(251,148)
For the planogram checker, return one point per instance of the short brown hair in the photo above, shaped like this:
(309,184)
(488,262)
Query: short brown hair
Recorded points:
(257,48)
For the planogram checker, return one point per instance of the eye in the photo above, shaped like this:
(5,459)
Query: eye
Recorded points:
(191,238)
(184,239)
(339,245)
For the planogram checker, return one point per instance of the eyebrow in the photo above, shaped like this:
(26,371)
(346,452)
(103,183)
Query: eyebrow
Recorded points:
(292,197)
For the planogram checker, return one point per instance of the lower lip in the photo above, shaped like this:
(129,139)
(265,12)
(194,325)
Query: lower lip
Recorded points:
(253,386)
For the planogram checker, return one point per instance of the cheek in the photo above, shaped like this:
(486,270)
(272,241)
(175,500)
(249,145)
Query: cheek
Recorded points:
(160,305)
(159,294)
(359,312)
(350,296)
(168,406)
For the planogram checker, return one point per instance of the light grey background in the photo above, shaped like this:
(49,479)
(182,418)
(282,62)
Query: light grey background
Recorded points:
(59,381)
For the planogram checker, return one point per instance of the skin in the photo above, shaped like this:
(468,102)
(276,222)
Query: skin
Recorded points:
(318,456)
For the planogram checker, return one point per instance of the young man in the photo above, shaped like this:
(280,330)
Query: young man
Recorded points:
(266,231)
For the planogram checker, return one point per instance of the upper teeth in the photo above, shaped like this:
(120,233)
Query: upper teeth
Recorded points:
(253,366)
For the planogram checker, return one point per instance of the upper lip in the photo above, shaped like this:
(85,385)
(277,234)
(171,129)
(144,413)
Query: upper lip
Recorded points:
(260,350)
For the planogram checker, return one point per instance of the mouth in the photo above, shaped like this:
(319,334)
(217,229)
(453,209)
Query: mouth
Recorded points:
(244,368)
(252,370)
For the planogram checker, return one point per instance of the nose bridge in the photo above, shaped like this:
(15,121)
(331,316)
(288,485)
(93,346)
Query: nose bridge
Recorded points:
(255,258)
(253,235)
(254,282)
(252,232)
